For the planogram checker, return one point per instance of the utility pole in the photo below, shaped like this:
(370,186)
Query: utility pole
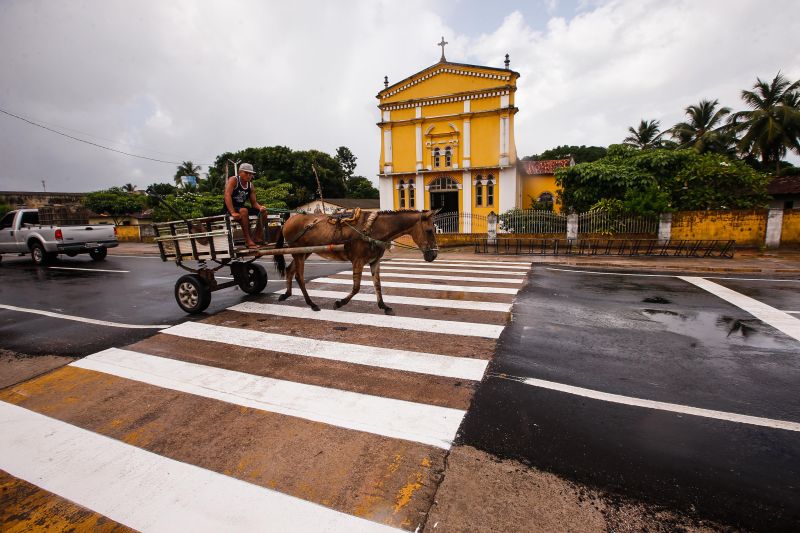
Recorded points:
(44,187)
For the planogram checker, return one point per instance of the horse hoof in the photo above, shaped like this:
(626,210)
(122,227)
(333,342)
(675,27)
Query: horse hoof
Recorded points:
(314,307)
(337,304)
(388,310)
(282,297)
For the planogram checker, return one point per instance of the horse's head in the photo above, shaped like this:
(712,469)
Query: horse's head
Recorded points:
(423,233)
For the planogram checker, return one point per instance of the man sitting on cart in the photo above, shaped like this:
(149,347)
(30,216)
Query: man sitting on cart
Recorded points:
(237,190)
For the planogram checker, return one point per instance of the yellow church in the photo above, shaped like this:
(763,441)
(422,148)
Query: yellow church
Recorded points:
(448,140)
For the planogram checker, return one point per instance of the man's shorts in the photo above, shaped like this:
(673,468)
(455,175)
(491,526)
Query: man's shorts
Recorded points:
(252,211)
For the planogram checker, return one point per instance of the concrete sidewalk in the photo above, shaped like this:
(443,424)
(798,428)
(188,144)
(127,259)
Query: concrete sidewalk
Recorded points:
(783,262)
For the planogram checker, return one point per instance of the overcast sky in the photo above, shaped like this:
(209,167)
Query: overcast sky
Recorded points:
(188,79)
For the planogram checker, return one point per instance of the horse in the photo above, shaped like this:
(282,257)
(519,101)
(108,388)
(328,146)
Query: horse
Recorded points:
(366,237)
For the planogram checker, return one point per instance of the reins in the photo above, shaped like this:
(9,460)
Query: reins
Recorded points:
(377,242)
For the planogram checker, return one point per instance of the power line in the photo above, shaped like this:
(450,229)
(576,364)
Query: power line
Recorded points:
(92,143)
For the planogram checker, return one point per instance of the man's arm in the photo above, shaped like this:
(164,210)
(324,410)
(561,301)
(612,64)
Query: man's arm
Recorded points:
(253,200)
(229,186)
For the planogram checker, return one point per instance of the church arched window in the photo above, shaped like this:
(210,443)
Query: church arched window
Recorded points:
(445,183)
(489,190)
(479,190)
(401,193)
(412,200)
(448,157)
(436,157)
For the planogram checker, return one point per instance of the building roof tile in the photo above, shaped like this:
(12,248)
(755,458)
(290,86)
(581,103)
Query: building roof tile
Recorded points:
(547,166)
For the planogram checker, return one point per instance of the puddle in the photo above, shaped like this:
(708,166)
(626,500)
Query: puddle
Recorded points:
(715,329)
(656,300)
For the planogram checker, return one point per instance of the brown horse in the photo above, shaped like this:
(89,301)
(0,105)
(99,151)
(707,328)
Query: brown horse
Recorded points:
(366,238)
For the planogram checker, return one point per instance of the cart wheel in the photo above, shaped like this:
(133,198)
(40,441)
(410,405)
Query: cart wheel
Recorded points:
(98,254)
(252,278)
(192,293)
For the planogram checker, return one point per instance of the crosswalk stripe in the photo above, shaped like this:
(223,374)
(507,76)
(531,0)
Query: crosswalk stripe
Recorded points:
(409,361)
(410,268)
(437,276)
(460,261)
(450,303)
(449,327)
(146,491)
(426,424)
(427,286)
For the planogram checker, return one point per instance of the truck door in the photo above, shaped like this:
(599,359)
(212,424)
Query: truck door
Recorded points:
(7,240)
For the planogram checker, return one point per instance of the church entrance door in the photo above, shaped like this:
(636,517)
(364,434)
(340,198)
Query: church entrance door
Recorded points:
(446,201)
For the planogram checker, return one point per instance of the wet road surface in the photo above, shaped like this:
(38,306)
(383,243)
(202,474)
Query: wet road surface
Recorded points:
(651,338)
(132,291)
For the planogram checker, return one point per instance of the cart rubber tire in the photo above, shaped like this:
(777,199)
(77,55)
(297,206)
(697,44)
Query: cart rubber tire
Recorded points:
(98,254)
(192,293)
(253,278)
(39,256)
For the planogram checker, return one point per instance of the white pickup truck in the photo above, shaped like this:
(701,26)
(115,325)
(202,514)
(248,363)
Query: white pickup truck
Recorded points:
(21,233)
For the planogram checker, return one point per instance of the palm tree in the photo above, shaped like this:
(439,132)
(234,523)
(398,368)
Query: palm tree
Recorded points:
(772,126)
(704,131)
(645,136)
(187,168)
(129,187)
(212,183)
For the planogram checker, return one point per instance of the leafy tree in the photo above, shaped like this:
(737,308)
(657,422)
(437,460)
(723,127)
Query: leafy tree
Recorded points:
(657,180)
(115,202)
(163,189)
(713,181)
(4,208)
(647,135)
(190,205)
(772,125)
(187,168)
(212,184)
(581,154)
(279,163)
(704,130)
(347,161)
(361,187)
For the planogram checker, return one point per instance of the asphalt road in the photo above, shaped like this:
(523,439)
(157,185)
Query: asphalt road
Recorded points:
(650,338)
(129,290)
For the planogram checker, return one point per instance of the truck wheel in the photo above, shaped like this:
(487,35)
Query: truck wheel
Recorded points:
(98,254)
(252,278)
(39,256)
(192,293)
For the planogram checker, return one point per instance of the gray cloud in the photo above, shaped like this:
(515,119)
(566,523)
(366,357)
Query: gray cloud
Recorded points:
(189,80)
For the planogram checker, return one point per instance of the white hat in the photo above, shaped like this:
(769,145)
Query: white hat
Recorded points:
(246,167)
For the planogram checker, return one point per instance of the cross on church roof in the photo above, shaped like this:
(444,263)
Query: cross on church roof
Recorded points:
(442,45)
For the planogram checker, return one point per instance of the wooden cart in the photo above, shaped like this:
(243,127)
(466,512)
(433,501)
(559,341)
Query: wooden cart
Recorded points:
(211,243)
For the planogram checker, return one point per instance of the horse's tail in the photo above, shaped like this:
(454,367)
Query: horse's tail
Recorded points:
(278,259)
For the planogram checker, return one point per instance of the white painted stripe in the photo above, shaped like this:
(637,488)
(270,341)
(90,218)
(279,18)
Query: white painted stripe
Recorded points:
(436,264)
(766,313)
(662,406)
(449,327)
(411,300)
(388,266)
(89,269)
(83,319)
(417,362)
(427,286)
(790,312)
(436,276)
(427,424)
(146,491)
(444,260)
(612,273)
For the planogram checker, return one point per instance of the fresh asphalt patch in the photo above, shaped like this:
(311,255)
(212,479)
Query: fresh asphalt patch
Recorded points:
(646,339)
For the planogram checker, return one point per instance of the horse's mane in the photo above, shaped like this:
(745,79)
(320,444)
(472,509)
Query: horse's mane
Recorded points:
(398,211)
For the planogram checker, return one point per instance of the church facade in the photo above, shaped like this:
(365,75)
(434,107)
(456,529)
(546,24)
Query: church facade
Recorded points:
(447,140)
